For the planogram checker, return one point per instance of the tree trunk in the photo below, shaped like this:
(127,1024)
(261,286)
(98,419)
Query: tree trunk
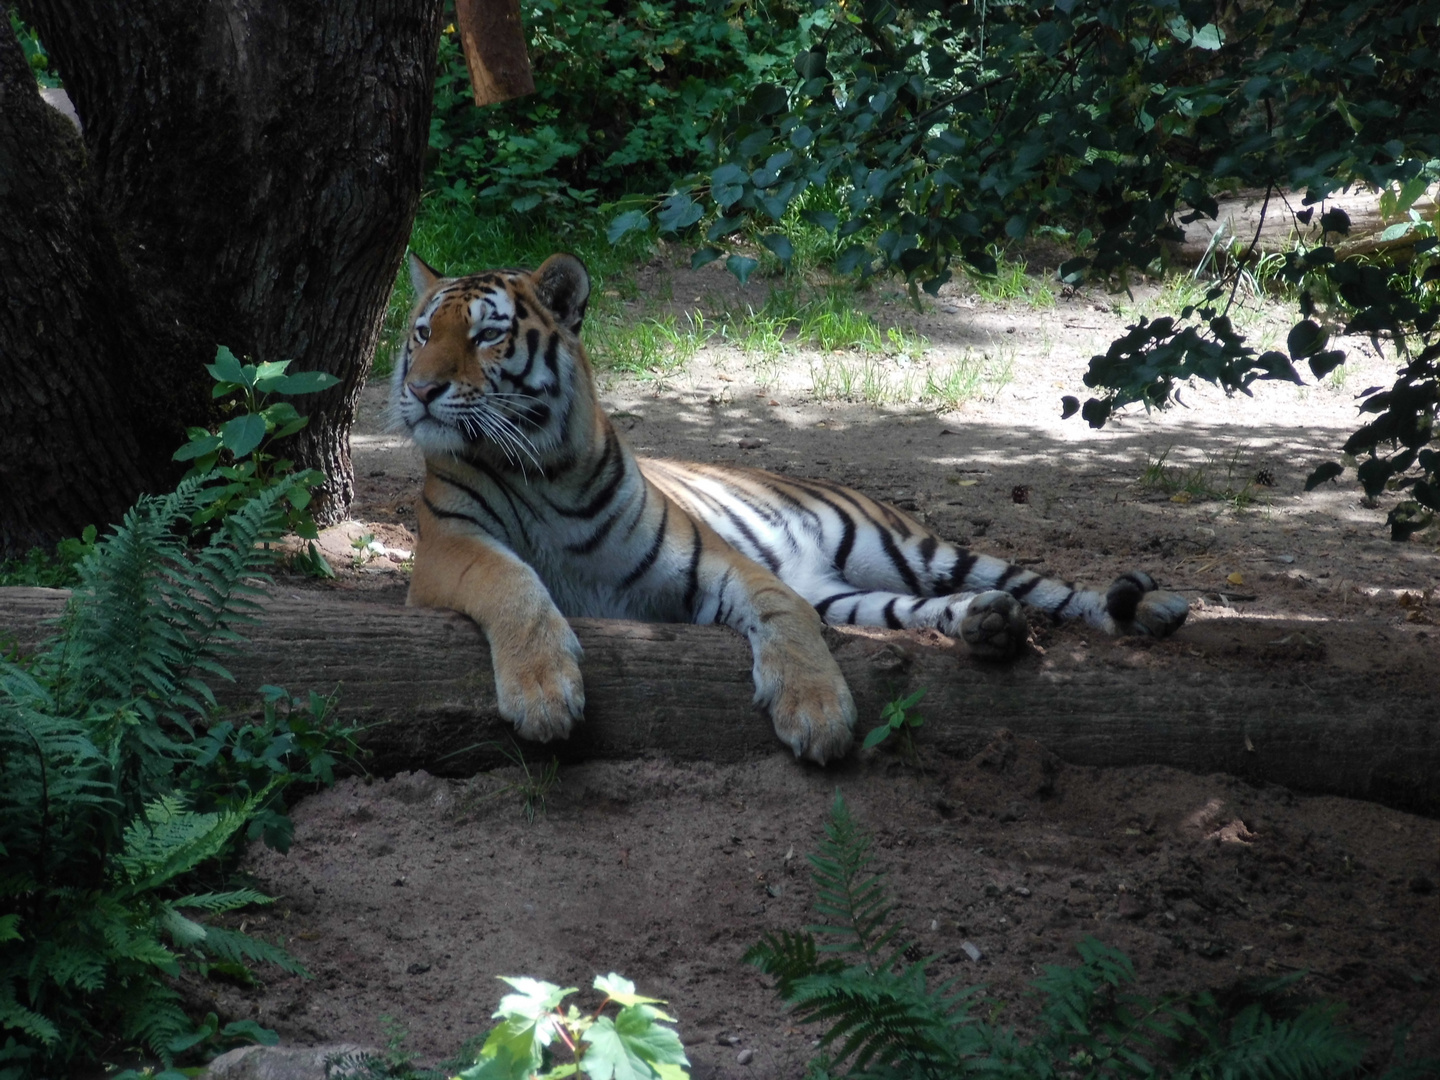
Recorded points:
(68,455)
(1263,701)
(252,174)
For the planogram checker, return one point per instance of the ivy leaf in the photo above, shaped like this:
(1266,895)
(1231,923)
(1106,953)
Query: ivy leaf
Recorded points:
(630,221)
(1328,471)
(1336,221)
(704,257)
(1069,406)
(243,434)
(741,266)
(1305,339)
(823,218)
(780,245)
(678,212)
(727,185)
(1324,363)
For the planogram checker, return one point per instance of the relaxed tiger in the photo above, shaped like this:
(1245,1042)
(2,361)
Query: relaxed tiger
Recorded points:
(535,508)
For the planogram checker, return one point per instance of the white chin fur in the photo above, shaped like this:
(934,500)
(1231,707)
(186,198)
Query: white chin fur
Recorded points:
(434,437)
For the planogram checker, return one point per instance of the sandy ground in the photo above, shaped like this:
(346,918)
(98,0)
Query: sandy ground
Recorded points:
(406,897)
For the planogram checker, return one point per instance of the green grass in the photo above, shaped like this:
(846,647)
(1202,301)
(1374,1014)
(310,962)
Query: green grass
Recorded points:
(649,347)
(1202,483)
(879,380)
(1012,281)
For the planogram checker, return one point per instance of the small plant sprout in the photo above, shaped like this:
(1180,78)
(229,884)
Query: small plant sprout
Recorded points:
(895,717)
(535,1031)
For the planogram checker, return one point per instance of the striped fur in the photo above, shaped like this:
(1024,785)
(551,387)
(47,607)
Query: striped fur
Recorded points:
(535,506)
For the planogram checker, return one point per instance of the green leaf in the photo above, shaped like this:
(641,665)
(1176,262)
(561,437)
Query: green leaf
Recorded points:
(533,999)
(627,1047)
(780,246)
(741,266)
(228,369)
(1327,471)
(243,434)
(622,991)
(269,374)
(1305,339)
(630,221)
(1208,37)
(877,735)
(307,382)
(727,185)
(678,212)
(704,257)
(198,447)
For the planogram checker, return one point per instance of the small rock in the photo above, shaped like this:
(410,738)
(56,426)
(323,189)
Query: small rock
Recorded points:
(744,1057)
(726,1039)
(752,443)
(971,950)
(417,969)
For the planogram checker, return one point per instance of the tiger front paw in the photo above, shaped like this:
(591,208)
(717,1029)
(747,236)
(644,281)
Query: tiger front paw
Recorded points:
(807,698)
(1139,607)
(538,682)
(994,626)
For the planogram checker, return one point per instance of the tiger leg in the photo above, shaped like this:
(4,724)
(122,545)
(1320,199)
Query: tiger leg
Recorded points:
(796,679)
(535,654)
(992,622)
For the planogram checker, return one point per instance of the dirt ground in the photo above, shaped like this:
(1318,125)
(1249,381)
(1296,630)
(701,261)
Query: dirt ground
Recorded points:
(406,897)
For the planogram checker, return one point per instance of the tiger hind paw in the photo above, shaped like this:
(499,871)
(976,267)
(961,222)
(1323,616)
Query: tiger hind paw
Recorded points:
(1139,607)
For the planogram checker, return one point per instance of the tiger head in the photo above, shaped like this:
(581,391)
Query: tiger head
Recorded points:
(493,363)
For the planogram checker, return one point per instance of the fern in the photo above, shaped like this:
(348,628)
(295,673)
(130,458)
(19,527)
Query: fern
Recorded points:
(96,740)
(848,894)
(885,1022)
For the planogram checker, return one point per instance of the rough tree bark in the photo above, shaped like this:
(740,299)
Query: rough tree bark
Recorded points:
(1263,701)
(249,177)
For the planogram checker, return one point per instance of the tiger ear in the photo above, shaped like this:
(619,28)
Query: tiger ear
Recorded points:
(562,284)
(422,275)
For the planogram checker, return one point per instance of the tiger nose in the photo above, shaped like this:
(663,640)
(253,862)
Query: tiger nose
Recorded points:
(426,392)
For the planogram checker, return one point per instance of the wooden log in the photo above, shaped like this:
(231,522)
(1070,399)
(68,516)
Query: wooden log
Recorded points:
(1264,701)
(495,52)
(1239,216)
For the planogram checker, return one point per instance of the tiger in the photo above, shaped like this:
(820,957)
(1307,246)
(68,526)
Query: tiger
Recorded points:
(534,508)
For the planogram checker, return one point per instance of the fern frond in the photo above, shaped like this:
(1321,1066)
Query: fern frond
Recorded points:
(172,840)
(1309,1046)
(215,903)
(150,1013)
(789,957)
(889,1017)
(847,892)
(238,948)
(25,1020)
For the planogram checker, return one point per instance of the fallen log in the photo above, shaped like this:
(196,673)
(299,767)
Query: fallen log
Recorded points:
(1240,223)
(1267,702)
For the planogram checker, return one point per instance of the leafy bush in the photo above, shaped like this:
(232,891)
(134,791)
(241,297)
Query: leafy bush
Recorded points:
(626,97)
(852,973)
(952,127)
(633,1043)
(111,795)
